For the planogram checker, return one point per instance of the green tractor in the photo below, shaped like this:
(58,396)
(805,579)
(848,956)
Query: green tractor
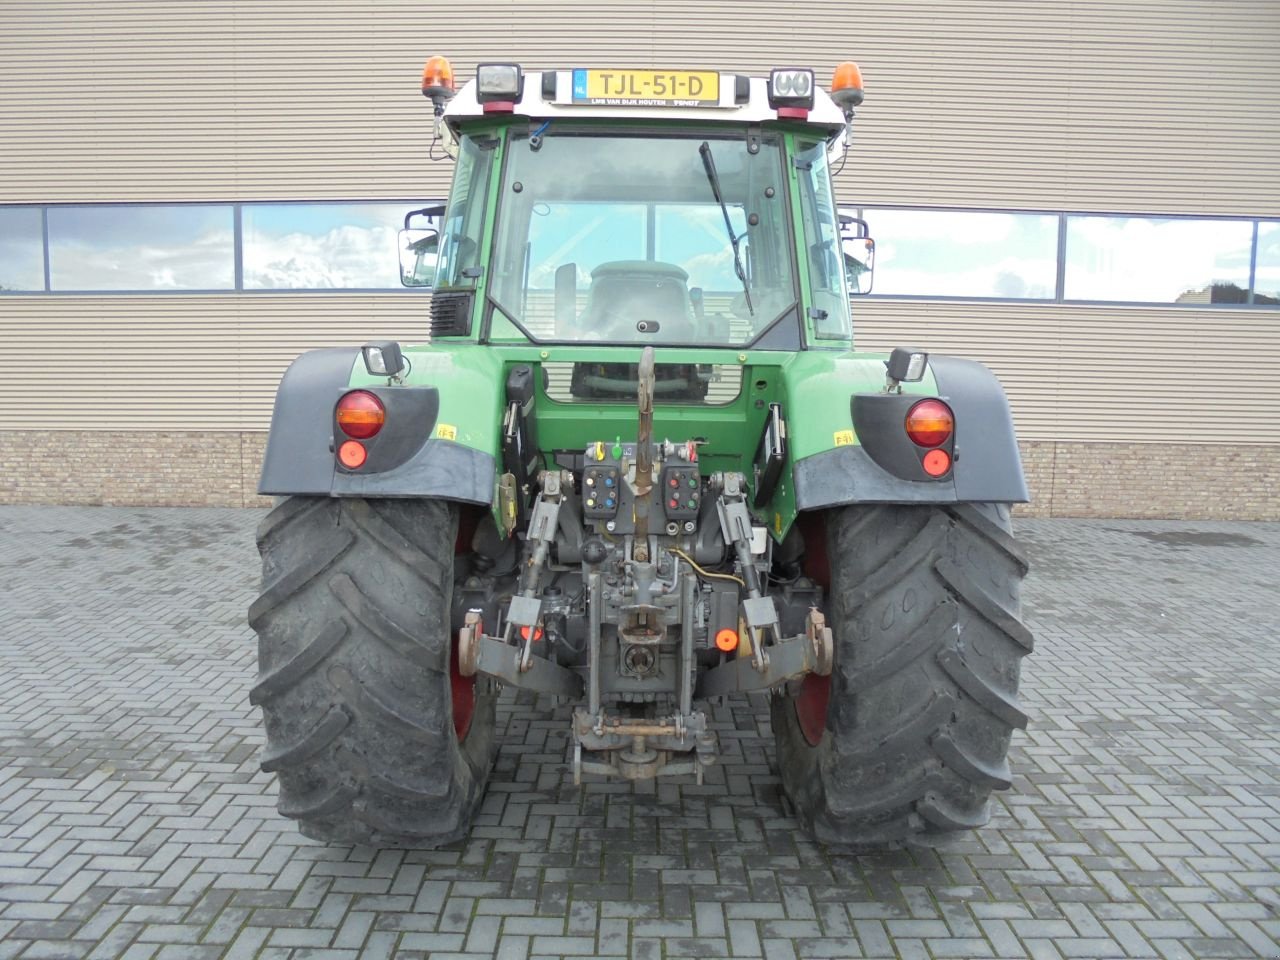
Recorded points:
(639,466)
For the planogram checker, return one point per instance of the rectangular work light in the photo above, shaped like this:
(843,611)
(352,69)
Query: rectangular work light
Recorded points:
(791,89)
(907,364)
(383,358)
(499,83)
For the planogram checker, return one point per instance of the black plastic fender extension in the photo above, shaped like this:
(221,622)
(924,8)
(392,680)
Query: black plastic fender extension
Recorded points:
(403,461)
(987,465)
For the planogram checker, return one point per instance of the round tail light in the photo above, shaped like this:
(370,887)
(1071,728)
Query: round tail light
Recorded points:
(360,414)
(930,423)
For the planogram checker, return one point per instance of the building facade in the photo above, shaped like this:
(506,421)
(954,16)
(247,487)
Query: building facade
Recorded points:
(1084,196)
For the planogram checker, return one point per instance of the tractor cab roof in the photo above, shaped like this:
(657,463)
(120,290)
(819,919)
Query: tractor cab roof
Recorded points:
(630,94)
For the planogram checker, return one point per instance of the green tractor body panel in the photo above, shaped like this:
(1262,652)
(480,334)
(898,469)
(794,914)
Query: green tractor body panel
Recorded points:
(822,383)
(470,385)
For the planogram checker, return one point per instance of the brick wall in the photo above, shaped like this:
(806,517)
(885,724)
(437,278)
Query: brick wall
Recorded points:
(1067,479)
(1153,480)
(175,469)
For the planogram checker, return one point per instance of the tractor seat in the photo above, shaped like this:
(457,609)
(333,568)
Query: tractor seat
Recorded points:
(624,293)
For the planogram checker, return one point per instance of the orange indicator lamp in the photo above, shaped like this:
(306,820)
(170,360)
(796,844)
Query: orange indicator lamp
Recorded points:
(360,414)
(726,640)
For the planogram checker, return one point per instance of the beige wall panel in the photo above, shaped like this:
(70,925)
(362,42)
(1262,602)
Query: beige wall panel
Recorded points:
(1162,106)
(1077,372)
(177,362)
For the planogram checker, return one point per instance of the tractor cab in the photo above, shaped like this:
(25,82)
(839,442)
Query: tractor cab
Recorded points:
(642,207)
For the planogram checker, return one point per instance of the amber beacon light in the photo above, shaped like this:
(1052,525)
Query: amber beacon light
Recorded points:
(437,82)
(846,86)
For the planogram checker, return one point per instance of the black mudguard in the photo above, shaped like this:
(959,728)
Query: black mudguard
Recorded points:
(987,465)
(403,460)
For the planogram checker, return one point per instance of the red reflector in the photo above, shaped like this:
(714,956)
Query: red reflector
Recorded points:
(793,113)
(352,454)
(537,633)
(360,414)
(727,640)
(929,423)
(500,106)
(937,462)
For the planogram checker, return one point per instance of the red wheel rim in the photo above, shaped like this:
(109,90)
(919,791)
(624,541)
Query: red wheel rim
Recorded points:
(815,692)
(463,692)
(811,707)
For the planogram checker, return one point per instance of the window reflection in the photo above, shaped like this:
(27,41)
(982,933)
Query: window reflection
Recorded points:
(954,253)
(21,249)
(692,236)
(1266,283)
(186,247)
(334,246)
(310,246)
(596,233)
(1147,260)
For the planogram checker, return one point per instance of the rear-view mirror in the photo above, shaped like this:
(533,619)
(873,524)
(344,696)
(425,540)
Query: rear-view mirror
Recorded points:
(859,263)
(418,250)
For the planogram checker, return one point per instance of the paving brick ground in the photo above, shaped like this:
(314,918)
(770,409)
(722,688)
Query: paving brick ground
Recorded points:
(1144,819)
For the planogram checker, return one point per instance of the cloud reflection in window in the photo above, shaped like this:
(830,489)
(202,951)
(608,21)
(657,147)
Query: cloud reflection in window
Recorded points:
(960,253)
(21,249)
(188,247)
(321,246)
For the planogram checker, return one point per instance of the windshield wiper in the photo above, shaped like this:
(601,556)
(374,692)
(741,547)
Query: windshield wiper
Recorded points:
(714,179)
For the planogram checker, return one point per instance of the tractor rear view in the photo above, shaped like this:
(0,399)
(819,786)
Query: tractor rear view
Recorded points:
(639,466)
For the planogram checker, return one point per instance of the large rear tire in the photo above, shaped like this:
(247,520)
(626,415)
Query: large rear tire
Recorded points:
(911,731)
(375,737)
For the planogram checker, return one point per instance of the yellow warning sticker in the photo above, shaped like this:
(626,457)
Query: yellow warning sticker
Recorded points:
(844,438)
(447,432)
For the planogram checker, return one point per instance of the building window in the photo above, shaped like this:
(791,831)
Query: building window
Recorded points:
(970,254)
(21,249)
(1148,260)
(1266,283)
(142,248)
(957,253)
(322,246)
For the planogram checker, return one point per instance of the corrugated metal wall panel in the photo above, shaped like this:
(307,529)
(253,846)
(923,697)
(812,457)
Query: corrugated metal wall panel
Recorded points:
(1077,372)
(212,363)
(1163,106)
(176,362)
